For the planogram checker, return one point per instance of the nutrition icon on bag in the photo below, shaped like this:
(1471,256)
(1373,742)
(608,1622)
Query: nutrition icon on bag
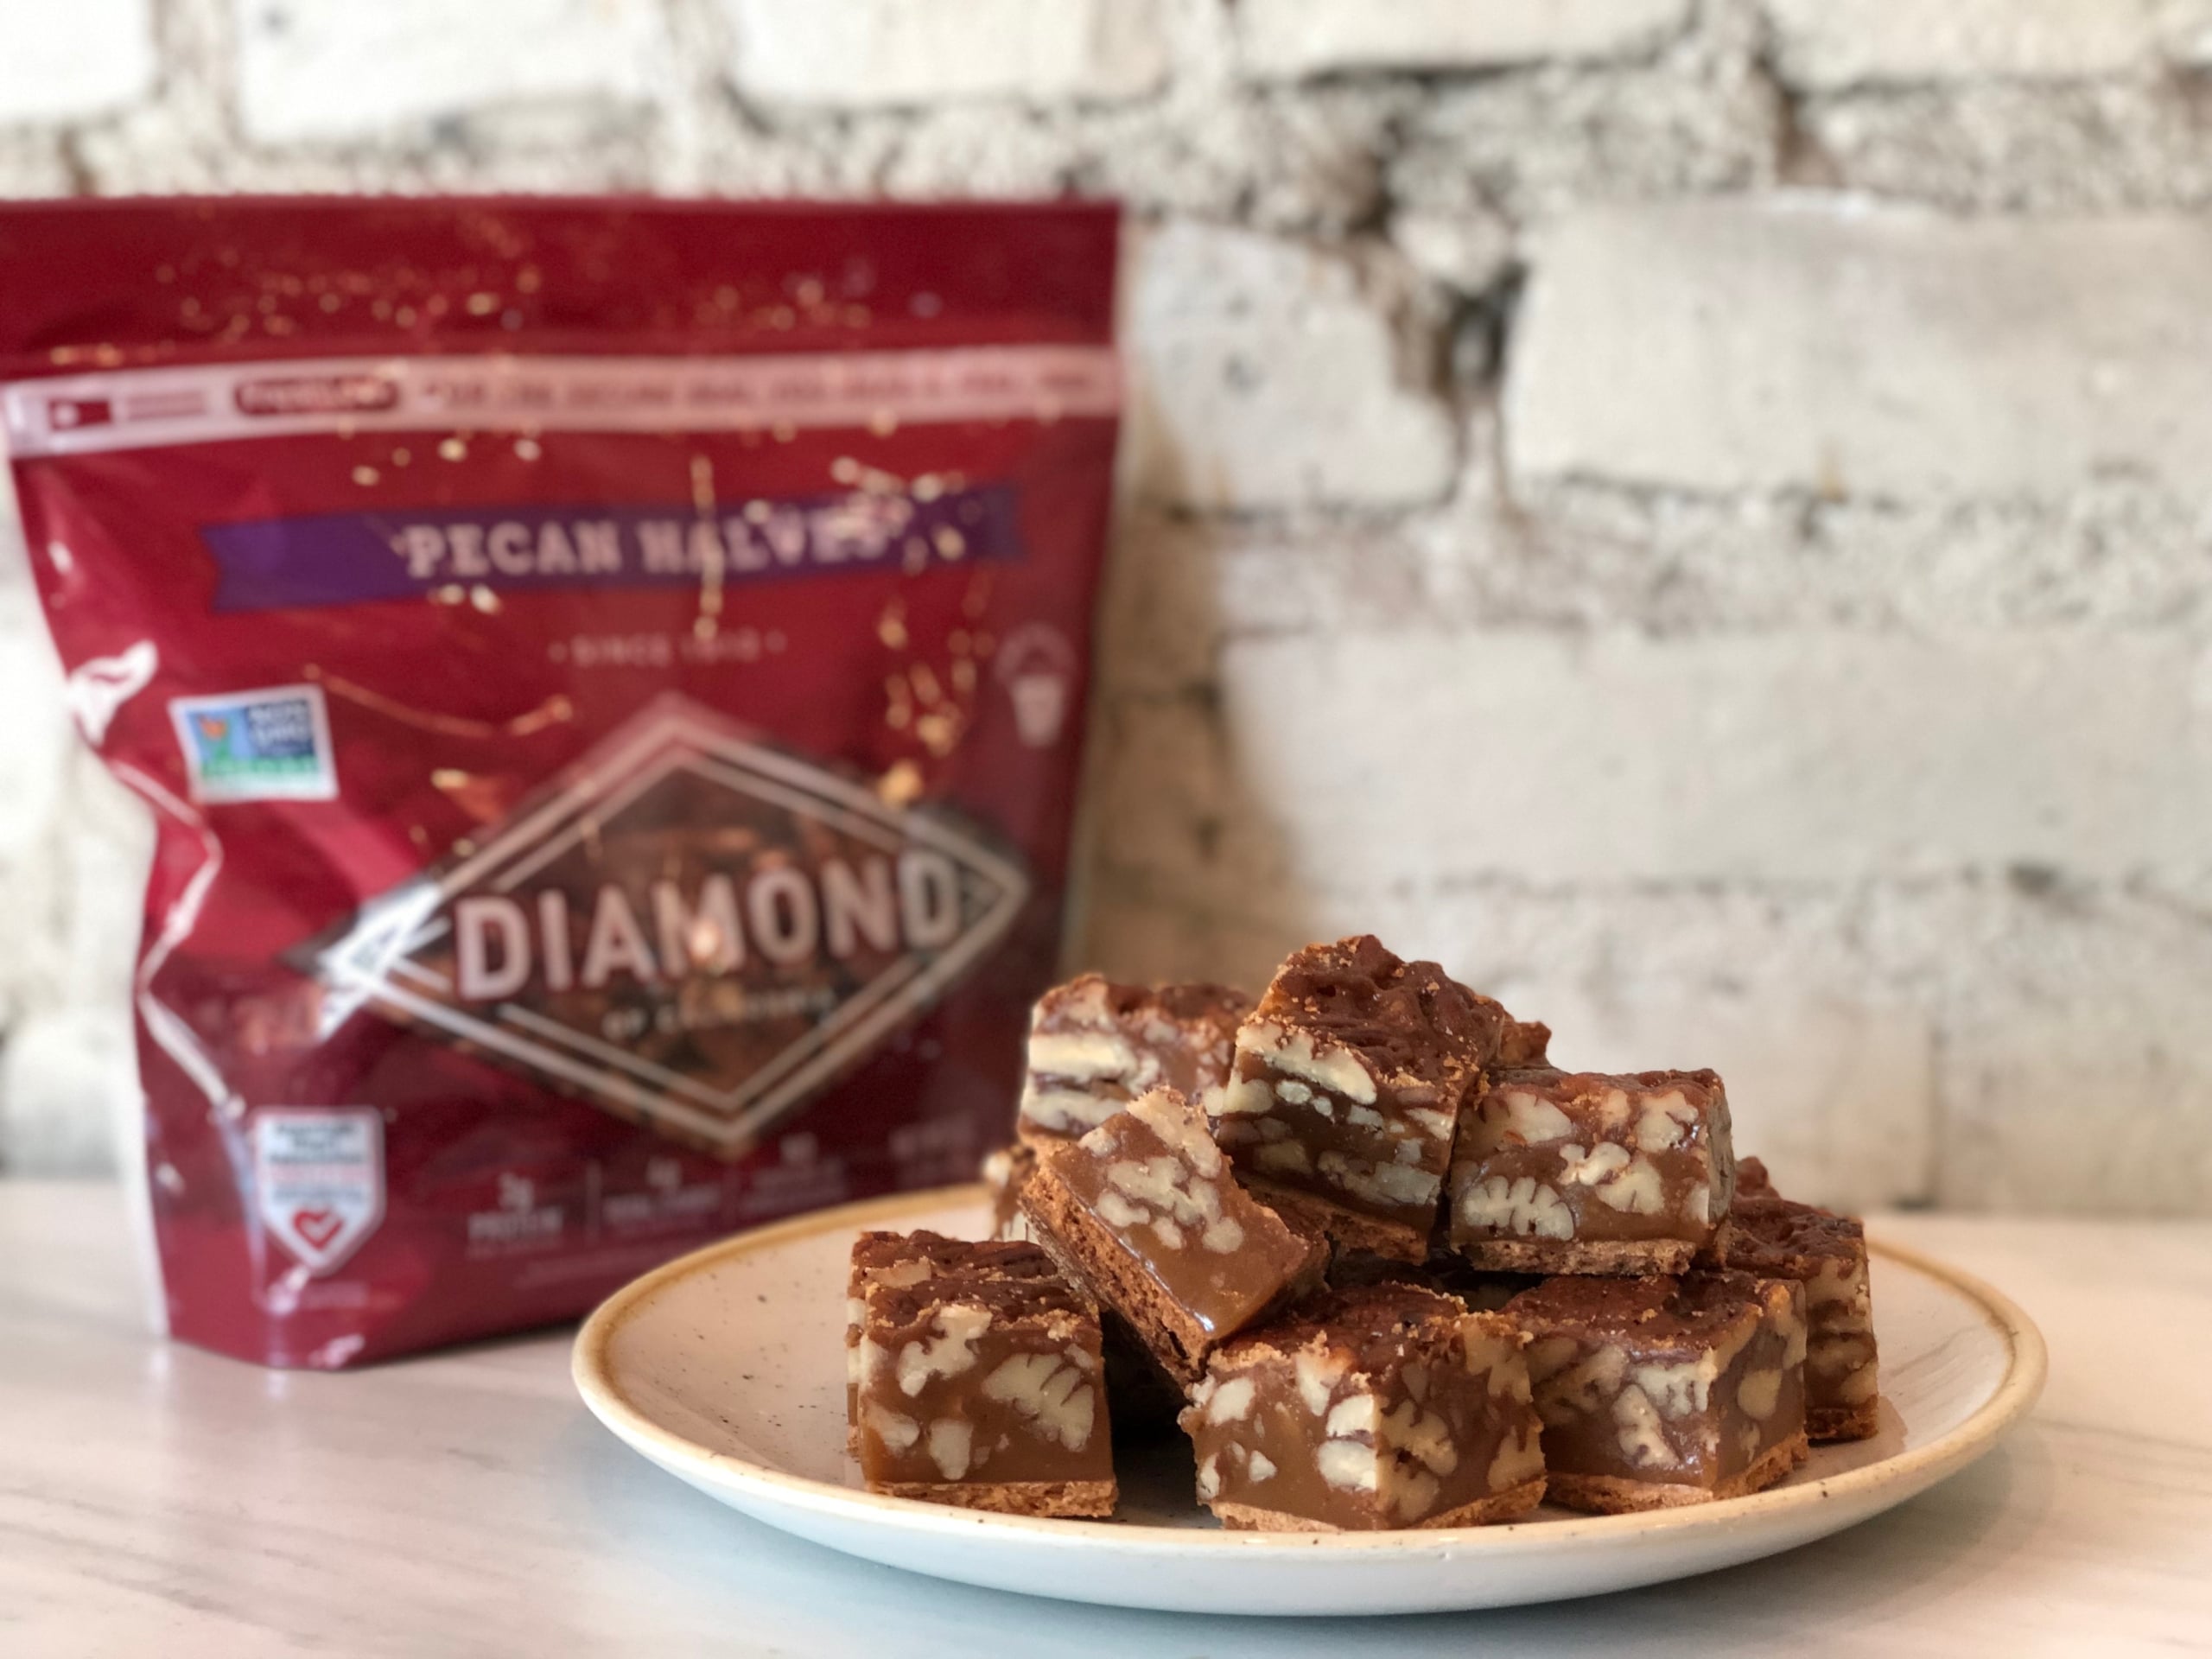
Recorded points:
(257,746)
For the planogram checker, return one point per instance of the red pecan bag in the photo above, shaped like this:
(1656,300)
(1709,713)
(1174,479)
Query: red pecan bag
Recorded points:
(610,679)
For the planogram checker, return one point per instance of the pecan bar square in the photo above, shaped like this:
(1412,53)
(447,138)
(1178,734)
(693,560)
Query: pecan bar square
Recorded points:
(1147,1211)
(900,1259)
(983,1392)
(1574,1172)
(1141,1394)
(1778,1239)
(1656,1392)
(1095,1046)
(1348,1077)
(1384,1407)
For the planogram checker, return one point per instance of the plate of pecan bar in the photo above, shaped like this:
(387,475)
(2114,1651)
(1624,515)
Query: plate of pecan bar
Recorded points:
(1347,1298)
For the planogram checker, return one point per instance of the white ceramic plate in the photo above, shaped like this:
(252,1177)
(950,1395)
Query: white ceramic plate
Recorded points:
(727,1368)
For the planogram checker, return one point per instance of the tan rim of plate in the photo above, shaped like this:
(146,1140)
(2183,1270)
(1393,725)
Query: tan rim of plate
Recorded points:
(2015,1395)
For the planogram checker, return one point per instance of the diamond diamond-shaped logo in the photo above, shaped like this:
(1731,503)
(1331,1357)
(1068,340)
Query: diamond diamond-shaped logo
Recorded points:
(691,928)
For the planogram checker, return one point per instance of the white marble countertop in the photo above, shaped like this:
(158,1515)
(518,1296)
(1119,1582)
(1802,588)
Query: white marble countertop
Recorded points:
(158,1500)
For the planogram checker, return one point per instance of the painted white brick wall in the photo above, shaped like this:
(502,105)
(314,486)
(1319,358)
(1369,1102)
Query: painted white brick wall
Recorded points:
(335,69)
(1304,37)
(1785,756)
(74,847)
(65,62)
(861,52)
(1263,374)
(2186,29)
(1851,349)
(1689,510)
(1830,44)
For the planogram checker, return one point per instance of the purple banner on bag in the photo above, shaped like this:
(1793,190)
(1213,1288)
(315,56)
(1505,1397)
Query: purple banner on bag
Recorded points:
(352,558)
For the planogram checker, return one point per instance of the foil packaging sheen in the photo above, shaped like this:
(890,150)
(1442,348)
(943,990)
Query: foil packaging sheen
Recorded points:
(609,677)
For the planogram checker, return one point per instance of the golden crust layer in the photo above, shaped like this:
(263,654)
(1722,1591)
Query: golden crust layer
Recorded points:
(1610,1495)
(1859,1422)
(1509,1505)
(1079,1498)
(1620,1259)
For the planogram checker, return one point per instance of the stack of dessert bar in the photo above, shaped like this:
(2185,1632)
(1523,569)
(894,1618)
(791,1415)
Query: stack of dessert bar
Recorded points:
(1380,1260)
